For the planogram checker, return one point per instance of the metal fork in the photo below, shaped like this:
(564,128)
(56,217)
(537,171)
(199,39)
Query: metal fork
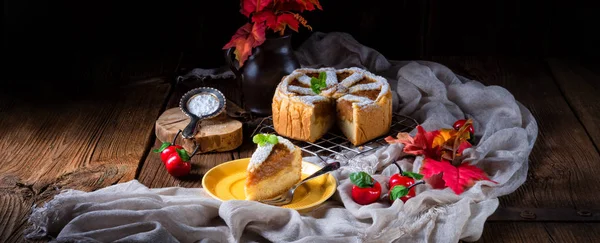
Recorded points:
(287,197)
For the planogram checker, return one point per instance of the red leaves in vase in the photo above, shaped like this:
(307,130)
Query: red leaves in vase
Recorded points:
(442,150)
(267,15)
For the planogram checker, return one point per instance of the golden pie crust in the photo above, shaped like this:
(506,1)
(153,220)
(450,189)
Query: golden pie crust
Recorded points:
(355,100)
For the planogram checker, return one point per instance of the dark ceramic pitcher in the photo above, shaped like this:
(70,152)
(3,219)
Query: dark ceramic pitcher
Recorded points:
(262,72)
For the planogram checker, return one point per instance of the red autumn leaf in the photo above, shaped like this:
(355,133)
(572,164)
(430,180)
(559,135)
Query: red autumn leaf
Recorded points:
(463,145)
(266,16)
(457,178)
(258,33)
(299,5)
(411,146)
(246,38)
(254,6)
(286,19)
(240,34)
(419,145)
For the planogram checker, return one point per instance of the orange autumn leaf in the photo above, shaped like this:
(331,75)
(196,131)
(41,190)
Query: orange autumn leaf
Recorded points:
(458,178)
(451,143)
(403,138)
(443,136)
(246,38)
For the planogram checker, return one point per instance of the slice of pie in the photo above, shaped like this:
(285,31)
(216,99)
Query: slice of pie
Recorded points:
(274,167)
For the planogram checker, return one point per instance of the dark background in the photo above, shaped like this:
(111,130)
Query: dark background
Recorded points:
(69,44)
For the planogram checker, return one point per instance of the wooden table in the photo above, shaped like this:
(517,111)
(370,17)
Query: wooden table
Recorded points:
(95,141)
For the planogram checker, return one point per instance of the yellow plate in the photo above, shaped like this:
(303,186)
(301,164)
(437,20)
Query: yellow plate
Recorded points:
(226,182)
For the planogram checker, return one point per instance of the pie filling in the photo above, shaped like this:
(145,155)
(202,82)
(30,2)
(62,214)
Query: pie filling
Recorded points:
(371,94)
(343,75)
(344,110)
(279,158)
(295,82)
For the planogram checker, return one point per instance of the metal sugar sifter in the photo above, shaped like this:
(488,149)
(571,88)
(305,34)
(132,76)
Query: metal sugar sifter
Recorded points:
(199,104)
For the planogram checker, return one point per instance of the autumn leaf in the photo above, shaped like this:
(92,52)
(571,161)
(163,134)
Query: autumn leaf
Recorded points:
(246,38)
(266,16)
(411,146)
(240,34)
(254,6)
(298,5)
(419,145)
(284,20)
(277,23)
(443,136)
(461,139)
(449,144)
(457,178)
(403,138)
(315,3)
(307,5)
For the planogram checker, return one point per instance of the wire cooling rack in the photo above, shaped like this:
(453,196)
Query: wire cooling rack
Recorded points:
(335,145)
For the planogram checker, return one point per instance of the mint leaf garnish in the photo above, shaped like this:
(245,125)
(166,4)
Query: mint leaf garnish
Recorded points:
(361,179)
(259,139)
(398,192)
(272,139)
(318,84)
(262,139)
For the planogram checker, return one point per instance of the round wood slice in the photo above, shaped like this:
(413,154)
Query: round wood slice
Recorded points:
(221,133)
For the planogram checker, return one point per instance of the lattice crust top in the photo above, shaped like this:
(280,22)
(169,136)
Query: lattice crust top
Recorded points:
(351,84)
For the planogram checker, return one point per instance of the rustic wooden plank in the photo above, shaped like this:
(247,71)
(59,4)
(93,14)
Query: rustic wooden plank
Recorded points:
(507,214)
(540,232)
(246,150)
(14,209)
(79,143)
(573,232)
(563,165)
(514,232)
(580,84)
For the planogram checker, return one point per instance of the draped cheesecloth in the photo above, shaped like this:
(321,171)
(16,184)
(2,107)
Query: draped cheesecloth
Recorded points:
(426,91)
